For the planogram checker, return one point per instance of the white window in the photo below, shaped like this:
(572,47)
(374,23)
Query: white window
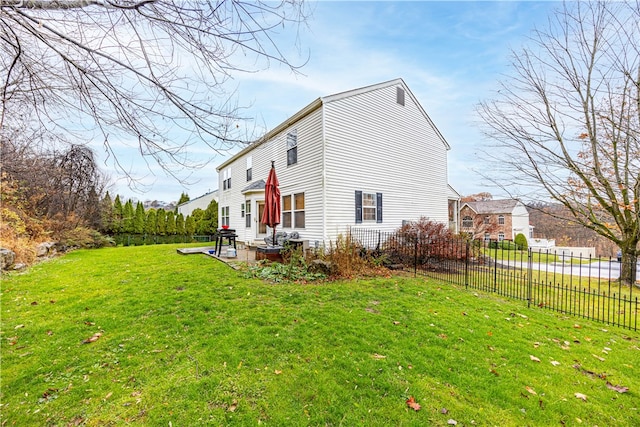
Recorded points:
(247,214)
(500,237)
(368,207)
(249,169)
(226,179)
(501,219)
(486,219)
(224,220)
(487,237)
(292,147)
(467,222)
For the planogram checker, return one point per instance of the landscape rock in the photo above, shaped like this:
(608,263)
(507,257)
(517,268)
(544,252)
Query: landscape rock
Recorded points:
(19,267)
(7,258)
(46,249)
(321,266)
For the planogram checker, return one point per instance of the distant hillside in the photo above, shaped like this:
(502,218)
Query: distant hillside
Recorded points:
(565,232)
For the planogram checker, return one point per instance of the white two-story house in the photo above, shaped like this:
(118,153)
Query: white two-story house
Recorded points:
(369,157)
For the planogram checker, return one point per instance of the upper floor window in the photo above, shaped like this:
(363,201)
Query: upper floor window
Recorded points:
(226,179)
(501,219)
(249,169)
(292,147)
(486,219)
(467,222)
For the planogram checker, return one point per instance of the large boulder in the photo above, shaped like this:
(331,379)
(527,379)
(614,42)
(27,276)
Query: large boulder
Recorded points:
(7,258)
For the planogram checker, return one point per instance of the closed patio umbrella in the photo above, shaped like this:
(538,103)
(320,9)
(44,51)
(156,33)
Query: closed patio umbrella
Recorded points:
(271,215)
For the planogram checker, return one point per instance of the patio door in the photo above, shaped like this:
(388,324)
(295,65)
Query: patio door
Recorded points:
(262,228)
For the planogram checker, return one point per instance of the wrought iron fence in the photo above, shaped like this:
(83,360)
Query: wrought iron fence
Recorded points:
(586,287)
(154,239)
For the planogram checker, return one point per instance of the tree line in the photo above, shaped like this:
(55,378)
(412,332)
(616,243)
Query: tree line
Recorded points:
(119,218)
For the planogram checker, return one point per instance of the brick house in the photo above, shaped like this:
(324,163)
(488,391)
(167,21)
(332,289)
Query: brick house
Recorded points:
(495,219)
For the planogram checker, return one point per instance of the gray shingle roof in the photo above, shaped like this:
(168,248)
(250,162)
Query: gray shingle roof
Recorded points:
(258,185)
(493,206)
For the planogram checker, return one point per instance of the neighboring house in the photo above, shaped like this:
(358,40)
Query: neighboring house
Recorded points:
(201,202)
(369,157)
(495,219)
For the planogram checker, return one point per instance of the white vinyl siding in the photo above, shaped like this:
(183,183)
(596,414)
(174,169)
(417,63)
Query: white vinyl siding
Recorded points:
(361,140)
(405,156)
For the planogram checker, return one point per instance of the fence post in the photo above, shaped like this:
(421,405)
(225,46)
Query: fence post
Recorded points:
(495,269)
(415,258)
(466,264)
(529,276)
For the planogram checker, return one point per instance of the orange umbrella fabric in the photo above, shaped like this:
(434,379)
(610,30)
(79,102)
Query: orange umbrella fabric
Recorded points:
(272,207)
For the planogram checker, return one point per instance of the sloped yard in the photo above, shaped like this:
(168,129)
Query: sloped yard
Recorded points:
(143,336)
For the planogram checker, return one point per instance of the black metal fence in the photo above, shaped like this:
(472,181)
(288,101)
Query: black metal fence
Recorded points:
(155,239)
(581,286)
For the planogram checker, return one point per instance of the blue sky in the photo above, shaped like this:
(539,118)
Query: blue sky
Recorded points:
(451,54)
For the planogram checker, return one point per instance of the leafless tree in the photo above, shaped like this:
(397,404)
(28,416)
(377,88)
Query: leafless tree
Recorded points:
(148,71)
(566,120)
(61,186)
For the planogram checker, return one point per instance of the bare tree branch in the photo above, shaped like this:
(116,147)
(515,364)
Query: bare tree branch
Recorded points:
(150,72)
(567,120)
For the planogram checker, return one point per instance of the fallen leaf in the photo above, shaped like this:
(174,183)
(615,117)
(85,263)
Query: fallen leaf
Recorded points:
(34,303)
(490,333)
(93,338)
(444,411)
(494,372)
(576,326)
(19,326)
(378,356)
(530,390)
(618,388)
(411,403)
(535,359)
(555,363)
(536,344)
(598,357)
(277,372)
(452,422)
(443,336)
(396,322)
(108,395)
(581,396)
(233,406)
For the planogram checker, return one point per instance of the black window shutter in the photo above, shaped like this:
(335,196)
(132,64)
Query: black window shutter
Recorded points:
(358,207)
(378,207)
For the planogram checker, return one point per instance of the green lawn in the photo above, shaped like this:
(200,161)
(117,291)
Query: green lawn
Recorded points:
(187,341)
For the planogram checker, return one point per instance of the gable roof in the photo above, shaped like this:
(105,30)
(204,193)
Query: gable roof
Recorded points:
(318,102)
(492,206)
